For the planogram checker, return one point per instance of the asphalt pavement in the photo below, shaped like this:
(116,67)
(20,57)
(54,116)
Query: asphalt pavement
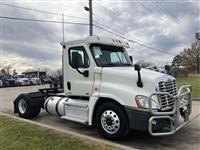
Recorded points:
(188,138)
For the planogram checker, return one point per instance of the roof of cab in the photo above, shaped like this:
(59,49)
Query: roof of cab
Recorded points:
(99,40)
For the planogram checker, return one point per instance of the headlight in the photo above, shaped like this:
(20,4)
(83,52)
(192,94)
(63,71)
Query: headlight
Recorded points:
(143,102)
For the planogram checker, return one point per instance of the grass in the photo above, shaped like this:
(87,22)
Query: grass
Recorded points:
(17,135)
(194,81)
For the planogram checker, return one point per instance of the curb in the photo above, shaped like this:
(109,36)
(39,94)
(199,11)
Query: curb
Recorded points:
(196,99)
(71,133)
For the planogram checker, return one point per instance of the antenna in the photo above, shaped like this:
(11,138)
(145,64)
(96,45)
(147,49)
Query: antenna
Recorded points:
(63,27)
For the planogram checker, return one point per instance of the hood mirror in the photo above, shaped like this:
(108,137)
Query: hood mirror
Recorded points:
(167,68)
(137,67)
(139,82)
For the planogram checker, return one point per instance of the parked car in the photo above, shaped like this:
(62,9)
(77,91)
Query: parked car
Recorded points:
(1,83)
(22,80)
(33,79)
(7,80)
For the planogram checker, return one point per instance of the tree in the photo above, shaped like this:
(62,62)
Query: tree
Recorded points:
(7,69)
(3,71)
(15,72)
(188,59)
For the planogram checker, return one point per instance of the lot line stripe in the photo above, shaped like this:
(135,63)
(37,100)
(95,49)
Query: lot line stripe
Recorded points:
(71,132)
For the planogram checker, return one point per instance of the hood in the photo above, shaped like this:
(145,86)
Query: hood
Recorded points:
(128,77)
(130,72)
(34,78)
(22,79)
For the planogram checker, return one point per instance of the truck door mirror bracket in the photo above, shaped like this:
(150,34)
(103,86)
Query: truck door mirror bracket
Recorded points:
(139,82)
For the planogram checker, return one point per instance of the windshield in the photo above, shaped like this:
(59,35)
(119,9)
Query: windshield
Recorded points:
(107,55)
(31,76)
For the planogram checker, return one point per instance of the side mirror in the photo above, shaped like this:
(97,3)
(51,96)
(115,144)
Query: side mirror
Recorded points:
(137,67)
(131,58)
(139,82)
(75,60)
(167,67)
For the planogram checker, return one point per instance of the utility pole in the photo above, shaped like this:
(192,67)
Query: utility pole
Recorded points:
(90,17)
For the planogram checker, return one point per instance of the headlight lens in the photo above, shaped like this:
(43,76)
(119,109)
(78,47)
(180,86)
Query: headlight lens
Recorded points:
(143,102)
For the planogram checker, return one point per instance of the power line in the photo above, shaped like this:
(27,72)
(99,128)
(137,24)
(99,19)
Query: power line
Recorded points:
(116,31)
(40,20)
(165,11)
(41,11)
(149,10)
(130,40)
(77,23)
(112,13)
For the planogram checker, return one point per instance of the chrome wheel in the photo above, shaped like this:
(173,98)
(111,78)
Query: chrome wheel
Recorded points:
(22,106)
(110,121)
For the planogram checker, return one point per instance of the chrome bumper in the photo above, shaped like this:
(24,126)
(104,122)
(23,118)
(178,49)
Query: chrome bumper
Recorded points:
(173,115)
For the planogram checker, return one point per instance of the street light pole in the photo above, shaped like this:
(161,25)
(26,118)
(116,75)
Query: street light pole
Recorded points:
(90,17)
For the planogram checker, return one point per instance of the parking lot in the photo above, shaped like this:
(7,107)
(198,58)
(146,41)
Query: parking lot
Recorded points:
(187,138)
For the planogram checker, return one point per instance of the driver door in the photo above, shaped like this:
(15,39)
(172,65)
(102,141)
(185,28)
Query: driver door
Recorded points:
(76,84)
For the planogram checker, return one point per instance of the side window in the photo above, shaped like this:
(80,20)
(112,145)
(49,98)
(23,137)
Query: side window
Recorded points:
(82,56)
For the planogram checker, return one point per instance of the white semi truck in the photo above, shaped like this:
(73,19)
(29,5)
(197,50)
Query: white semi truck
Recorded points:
(102,88)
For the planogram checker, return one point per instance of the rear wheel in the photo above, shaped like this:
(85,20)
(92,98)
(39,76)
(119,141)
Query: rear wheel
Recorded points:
(112,121)
(24,109)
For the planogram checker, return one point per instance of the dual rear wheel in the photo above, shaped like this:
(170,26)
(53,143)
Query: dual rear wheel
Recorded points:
(24,109)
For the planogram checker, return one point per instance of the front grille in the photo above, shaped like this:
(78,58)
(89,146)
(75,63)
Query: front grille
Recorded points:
(167,102)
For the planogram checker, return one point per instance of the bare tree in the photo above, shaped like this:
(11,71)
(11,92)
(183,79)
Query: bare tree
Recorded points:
(3,71)
(15,72)
(190,59)
(7,68)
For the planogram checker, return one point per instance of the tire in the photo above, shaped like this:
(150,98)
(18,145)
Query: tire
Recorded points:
(112,122)
(24,109)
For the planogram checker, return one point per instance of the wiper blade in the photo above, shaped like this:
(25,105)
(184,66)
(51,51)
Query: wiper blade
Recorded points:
(110,64)
(127,64)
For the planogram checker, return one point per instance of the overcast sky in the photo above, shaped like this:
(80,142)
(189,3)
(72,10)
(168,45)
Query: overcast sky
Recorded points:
(169,25)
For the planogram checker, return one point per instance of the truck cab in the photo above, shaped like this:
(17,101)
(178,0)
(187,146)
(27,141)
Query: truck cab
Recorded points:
(33,79)
(102,87)
(21,80)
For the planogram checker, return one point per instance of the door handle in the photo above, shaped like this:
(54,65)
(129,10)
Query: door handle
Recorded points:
(69,85)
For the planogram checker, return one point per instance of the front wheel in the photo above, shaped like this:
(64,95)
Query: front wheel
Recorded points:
(24,109)
(112,121)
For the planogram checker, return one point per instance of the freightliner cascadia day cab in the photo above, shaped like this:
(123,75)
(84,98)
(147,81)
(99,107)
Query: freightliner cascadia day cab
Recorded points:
(102,88)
